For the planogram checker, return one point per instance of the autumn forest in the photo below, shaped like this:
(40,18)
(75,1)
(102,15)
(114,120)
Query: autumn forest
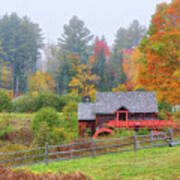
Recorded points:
(141,58)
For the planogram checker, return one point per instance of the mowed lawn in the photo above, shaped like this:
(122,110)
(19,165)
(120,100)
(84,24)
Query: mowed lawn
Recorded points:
(149,164)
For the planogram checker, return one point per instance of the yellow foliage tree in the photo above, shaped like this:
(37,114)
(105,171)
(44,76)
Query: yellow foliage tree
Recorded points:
(135,68)
(83,83)
(5,76)
(121,87)
(40,82)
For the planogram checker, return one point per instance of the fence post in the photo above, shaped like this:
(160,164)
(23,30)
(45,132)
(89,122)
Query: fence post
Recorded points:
(46,153)
(171,136)
(135,142)
(92,147)
(152,138)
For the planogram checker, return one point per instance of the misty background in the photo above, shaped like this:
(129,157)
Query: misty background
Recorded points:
(102,17)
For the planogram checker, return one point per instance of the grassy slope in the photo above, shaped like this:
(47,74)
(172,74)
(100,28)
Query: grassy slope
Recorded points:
(149,164)
(18,120)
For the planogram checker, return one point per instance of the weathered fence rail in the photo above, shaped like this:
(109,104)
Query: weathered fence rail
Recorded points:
(91,148)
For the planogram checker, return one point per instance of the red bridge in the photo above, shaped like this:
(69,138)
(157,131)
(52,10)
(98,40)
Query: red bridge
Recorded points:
(136,124)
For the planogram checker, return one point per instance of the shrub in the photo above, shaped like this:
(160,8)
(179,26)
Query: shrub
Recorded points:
(70,121)
(46,127)
(163,106)
(143,131)
(121,132)
(161,115)
(32,103)
(70,110)
(5,101)
(45,115)
(5,127)
(26,103)
(70,98)
(50,100)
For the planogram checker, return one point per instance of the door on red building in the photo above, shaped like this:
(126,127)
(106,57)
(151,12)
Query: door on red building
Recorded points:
(122,114)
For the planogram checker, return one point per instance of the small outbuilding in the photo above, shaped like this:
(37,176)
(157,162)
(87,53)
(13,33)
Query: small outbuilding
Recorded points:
(120,106)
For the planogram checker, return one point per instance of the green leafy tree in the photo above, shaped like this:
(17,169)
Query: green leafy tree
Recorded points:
(66,68)
(5,101)
(21,40)
(101,70)
(117,63)
(129,37)
(75,38)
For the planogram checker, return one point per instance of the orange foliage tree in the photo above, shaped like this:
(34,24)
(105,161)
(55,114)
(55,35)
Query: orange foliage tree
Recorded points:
(160,59)
(131,64)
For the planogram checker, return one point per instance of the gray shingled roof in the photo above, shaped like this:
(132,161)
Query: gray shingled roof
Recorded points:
(110,102)
(135,101)
(86,111)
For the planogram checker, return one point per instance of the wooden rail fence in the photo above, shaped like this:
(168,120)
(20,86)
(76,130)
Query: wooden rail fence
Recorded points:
(92,148)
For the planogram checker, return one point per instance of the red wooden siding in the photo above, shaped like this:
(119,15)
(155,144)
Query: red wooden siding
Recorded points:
(83,125)
(103,119)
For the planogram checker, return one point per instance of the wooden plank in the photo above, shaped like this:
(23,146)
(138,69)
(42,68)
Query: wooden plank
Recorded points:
(142,136)
(135,143)
(68,145)
(68,158)
(71,151)
(111,146)
(171,144)
(171,135)
(22,152)
(145,141)
(112,152)
(152,138)
(21,158)
(46,153)
(114,139)
(92,147)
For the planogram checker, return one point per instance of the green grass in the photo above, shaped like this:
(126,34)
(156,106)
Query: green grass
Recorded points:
(149,164)
(17,120)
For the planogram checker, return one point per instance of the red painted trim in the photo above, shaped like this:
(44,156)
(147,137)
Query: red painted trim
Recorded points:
(102,130)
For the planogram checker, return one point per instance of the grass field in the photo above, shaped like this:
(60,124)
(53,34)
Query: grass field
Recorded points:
(149,164)
(17,120)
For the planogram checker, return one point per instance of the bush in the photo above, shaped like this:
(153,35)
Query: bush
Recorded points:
(45,115)
(143,131)
(70,119)
(46,127)
(121,132)
(162,106)
(5,127)
(5,101)
(70,110)
(32,103)
(70,98)
(50,100)
(26,103)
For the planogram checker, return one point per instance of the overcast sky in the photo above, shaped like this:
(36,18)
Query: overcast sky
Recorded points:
(102,17)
